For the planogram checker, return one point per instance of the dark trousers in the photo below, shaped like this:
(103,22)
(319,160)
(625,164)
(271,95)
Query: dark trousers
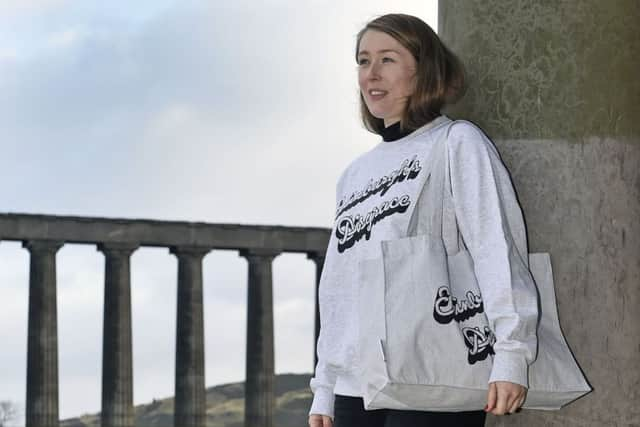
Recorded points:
(349,412)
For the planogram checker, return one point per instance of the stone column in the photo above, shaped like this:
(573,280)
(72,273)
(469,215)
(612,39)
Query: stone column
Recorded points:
(555,85)
(117,370)
(259,397)
(190,397)
(42,343)
(318,259)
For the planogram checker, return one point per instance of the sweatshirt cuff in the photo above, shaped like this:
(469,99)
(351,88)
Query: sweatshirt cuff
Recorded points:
(510,366)
(323,401)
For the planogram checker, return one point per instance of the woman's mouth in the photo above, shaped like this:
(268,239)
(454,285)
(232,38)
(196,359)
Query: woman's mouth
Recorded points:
(376,94)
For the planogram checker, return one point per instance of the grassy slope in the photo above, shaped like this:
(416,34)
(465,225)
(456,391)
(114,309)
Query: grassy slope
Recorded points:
(225,406)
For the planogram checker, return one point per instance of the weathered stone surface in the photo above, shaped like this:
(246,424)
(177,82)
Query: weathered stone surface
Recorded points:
(554,85)
(117,357)
(42,343)
(259,393)
(190,400)
(548,69)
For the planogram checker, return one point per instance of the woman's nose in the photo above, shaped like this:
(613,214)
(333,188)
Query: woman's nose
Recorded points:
(373,72)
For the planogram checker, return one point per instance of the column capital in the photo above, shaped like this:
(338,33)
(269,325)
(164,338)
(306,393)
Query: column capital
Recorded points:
(126,248)
(189,250)
(317,256)
(42,245)
(259,252)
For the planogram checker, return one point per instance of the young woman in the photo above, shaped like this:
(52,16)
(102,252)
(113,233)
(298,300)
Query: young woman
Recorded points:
(406,75)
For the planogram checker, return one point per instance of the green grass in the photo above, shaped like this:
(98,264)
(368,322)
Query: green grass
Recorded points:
(225,406)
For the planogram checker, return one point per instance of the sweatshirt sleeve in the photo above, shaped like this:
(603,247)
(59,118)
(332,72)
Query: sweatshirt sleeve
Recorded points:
(492,227)
(322,387)
(323,383)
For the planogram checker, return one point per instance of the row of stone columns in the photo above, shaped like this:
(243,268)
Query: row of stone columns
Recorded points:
(117,373)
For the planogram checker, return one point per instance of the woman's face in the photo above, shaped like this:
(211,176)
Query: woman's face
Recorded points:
(386,75)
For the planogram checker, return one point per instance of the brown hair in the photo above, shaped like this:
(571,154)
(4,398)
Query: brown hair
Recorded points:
(440,77)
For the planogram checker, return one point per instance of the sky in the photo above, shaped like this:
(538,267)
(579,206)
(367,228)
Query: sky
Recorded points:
(221,112)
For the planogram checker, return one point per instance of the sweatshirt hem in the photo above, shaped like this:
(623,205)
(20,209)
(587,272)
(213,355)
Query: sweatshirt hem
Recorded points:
(347,384)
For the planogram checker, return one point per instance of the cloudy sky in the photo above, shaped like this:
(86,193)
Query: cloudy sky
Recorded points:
(242,112)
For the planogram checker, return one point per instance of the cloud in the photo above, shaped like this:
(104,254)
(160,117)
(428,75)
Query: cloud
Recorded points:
(189,56)
(17,7)
(119,106)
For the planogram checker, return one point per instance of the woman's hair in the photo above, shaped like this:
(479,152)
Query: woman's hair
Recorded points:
(440,77)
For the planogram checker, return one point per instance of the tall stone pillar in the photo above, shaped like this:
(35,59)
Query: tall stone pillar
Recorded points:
(190,397)
(555,85)
(42,342)
(259,394)
(117,364)
(318,259)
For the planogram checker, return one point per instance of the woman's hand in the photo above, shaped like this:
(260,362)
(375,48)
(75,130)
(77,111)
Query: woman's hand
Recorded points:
(505,397)
(316,420)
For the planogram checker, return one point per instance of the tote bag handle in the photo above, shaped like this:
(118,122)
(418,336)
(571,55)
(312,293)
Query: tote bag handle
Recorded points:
(435,211)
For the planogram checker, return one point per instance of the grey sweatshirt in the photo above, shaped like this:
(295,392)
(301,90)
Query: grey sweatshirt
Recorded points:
(373,197)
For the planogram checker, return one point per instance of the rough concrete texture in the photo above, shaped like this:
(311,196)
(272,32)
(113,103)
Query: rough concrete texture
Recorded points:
(553,84)
(548,69)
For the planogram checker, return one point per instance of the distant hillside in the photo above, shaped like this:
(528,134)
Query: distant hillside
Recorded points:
(225,406)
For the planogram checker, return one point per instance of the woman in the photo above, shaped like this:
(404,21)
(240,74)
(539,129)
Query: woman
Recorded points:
(406,75)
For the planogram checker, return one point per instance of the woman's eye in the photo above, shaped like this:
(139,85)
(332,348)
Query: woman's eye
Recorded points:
(364,61)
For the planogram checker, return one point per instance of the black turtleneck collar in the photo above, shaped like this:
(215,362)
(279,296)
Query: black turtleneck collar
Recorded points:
(392,132)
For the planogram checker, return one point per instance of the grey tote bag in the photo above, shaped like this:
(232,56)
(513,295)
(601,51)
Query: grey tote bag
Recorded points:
(411,356)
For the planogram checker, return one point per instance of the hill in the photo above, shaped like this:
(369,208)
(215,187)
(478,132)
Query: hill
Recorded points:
(225,406)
